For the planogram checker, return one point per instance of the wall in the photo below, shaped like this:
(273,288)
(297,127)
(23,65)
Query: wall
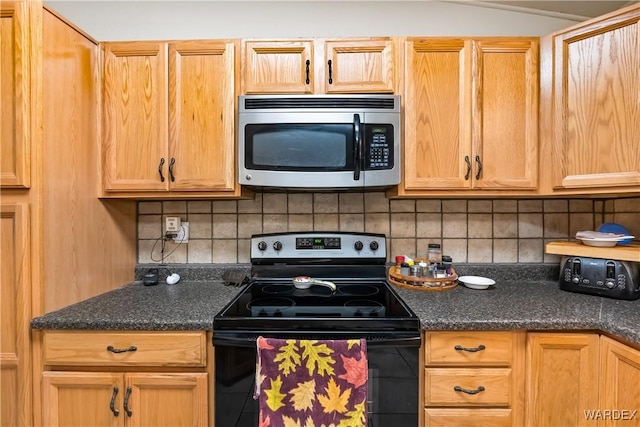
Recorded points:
(474,231)
(148,20)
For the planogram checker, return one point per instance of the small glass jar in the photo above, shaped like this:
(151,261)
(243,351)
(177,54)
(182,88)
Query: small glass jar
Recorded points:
(434,253)
(399,260)
(404,269)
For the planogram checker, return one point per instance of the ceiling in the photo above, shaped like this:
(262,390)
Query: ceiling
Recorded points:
(578,10)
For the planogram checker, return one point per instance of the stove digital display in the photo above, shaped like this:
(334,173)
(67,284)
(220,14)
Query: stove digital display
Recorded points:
(318,243)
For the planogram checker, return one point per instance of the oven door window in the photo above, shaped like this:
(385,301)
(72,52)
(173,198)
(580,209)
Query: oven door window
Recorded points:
(299,147)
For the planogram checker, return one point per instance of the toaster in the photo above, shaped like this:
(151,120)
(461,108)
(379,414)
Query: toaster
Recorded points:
(599,276)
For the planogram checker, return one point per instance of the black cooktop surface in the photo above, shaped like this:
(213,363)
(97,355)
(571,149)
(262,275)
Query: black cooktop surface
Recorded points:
(356,303)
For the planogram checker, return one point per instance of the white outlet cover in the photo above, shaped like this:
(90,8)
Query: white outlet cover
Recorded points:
(172,224)
(182,235)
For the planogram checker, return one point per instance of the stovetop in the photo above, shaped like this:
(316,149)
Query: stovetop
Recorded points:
(354,262)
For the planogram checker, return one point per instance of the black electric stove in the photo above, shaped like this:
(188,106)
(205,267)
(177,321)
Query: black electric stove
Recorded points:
(355,262)
(362,305)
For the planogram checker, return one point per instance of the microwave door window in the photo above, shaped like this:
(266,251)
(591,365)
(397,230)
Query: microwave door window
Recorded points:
(299,147)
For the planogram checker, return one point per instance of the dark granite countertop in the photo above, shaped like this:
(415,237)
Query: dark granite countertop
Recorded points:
(533,304)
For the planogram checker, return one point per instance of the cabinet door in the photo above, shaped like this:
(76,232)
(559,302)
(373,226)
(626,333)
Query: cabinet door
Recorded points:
(167,399)
(278,66)
(15,300)
(14,95)
(201,119)
(354,66)
(596,109)
(437,136)
(83,399)
(620,383)
(505,114)
(562,379)
(135,117)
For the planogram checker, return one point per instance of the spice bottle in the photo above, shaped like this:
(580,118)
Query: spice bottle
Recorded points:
(434,253)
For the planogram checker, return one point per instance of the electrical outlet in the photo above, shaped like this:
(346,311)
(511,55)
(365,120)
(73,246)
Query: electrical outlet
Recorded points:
(183,233)
(172,224)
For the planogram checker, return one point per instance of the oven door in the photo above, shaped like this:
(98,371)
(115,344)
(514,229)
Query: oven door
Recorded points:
(317,149)
(393,379)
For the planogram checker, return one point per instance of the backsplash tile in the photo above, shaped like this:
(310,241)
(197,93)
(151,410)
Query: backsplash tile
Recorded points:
(474,230)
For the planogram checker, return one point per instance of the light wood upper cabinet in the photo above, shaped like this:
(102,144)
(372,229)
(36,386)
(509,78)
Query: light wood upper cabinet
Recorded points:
(596,113)
(354,66)
(619,382)
(278,66)
(14,95)
(470,114)
(168,114)
(562,379)
(202,116)
(319,66)
(135,116)
(505,114)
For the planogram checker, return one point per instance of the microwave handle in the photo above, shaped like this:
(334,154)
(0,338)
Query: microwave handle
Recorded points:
(357,146)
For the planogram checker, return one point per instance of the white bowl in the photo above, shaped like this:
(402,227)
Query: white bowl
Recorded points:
(476,282)
(601,243)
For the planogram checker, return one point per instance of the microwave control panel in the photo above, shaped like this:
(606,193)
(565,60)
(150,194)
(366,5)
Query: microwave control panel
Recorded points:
(378,147)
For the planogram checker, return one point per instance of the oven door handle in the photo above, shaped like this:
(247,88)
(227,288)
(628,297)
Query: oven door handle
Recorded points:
(249,339)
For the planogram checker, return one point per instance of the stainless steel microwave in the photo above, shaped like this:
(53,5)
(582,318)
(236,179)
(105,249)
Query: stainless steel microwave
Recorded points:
(319,141)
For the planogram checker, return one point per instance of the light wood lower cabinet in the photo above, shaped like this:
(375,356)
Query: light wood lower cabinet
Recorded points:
(125,379)
(562,378)
(125,399)
(619,384)
(474,378)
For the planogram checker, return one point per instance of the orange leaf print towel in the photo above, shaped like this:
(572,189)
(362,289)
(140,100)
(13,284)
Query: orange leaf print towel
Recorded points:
(312,383)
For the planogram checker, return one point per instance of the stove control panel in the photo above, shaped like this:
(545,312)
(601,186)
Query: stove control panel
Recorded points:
(322,245)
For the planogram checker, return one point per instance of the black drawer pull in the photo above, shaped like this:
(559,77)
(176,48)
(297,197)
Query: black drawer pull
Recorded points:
(307,63)
(470,349)
(112,405)
(464,390)
(112,349)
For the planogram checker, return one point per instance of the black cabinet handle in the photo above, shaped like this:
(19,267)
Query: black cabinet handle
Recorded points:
(468,162)
(171,163)
(470,349)
(307,64)
(464,390)
(160,169)
(479,167)
(126,402)
(330,73)
(112,349)
(112,405)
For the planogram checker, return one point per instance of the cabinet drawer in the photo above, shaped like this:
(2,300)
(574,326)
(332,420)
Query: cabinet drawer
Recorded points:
(125,348)
(469,348)
(438,417)
(468,387)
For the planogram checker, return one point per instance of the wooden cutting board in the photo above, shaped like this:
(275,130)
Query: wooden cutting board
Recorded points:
(629,252)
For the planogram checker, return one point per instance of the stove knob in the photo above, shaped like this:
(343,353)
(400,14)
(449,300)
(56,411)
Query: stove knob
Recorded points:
(373,246)
(277,245)
(358,245)
(610,284)
(262,245)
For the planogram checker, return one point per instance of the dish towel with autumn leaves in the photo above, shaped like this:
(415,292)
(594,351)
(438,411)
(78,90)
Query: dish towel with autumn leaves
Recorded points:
(311,383)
